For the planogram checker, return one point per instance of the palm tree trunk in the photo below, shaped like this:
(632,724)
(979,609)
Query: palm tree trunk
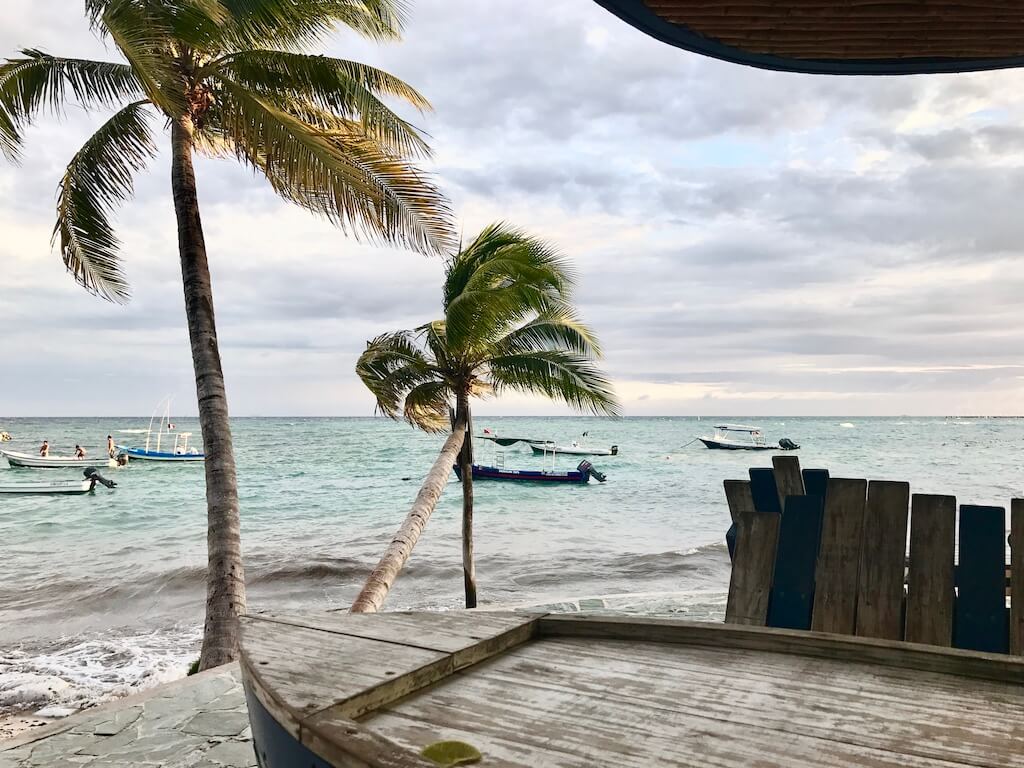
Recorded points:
(225,579)
(395,556)
(466,467)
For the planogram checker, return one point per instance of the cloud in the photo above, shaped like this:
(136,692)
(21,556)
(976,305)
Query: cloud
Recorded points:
(744,240)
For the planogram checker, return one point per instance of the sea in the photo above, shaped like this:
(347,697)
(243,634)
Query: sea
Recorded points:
(103,595)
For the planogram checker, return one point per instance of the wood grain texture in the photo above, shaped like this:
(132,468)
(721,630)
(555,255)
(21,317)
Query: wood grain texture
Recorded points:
(754,559)
(883,558)
(835,591)
(1017,576)
(788,479)
(930,593)
(792,594)
(580,702)
(764,490)
(981,620)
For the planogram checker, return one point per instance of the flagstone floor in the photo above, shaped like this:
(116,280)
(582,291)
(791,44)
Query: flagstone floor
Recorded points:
(198,722)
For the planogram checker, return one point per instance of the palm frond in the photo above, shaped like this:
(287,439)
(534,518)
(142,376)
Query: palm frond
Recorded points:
(98,178)
(501,279)
(426,406)
(390,366)
(145,36)
(326,89)
(298,23)
(39,81)
(340,174)
(553,330)
(559,375)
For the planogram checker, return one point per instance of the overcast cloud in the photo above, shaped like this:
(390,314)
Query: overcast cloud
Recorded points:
(747,242)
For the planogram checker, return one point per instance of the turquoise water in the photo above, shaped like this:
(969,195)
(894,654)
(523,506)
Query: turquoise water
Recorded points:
(102,594)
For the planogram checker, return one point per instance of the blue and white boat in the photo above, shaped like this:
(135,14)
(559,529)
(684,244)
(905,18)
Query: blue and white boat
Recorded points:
(165,444)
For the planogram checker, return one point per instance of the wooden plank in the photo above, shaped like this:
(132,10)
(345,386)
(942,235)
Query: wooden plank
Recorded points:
(788,480)
(883,558)
(792,593)
(737,496)
(764,490)
(981,621)
(577,703)
(835,588)
(930,572)
(1017,576)
(443,631)
(925,658)
(816,482)
(307,670)
(754,557)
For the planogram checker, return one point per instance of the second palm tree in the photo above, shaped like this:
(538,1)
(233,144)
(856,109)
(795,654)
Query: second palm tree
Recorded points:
(508,324)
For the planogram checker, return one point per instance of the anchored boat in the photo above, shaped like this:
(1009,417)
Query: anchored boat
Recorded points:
(581,475)
(739,437)
(28,460)
(576,448)
(58,487)
(164,444)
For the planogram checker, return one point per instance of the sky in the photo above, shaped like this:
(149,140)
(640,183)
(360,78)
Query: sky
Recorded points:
(746,242)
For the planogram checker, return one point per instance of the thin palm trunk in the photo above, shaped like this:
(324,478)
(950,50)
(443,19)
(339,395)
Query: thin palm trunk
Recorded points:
(466,468)
(225,579)
(397,554)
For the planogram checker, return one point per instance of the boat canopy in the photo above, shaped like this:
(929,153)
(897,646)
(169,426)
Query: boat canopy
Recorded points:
(737,428)
(838,38)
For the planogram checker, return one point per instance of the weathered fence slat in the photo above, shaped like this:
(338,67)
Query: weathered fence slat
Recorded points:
(754,557)
(981,621)
(835,589)
(792,594)
(883,555)
(1017,576)
(764,490)
(788,480)
(930,592)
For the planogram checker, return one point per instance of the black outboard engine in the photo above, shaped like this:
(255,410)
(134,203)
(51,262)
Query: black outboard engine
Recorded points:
(787,445)
(615,450)
(91,474)
(586,468)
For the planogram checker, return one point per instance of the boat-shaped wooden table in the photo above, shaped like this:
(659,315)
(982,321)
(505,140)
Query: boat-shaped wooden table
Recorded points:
(570,690)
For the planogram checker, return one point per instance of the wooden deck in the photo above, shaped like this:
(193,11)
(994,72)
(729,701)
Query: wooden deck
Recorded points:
(535,690)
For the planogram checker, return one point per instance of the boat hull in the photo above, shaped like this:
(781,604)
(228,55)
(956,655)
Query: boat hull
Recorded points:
(729,446)
(526,475)
(571,450)
(60,487)
(28,461)
(144,455)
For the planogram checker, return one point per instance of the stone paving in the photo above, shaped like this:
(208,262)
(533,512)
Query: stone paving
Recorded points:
(198,722)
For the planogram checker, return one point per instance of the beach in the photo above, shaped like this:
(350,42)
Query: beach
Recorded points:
(102,595)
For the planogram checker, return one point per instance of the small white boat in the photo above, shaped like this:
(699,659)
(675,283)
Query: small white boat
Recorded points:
(164,444)
(61,487)
(728,437)
(35,461)
(576,448)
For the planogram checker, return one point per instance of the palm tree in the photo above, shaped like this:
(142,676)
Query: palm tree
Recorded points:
(508,324)
(230,79)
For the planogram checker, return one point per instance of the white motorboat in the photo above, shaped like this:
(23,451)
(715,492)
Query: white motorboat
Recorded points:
(61,487)
(740,437)
(576,448)
(35,461)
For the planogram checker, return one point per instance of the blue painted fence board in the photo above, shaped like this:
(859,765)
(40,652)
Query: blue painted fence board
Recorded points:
(764,490)
(792,595)
(980,622)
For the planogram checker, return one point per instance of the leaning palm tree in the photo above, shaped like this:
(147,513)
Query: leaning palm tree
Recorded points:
(509,325)
(229,78)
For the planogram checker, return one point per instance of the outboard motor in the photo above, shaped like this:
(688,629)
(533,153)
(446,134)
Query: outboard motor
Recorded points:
(91,474)
(615,450)
(586,468)
(787,445)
